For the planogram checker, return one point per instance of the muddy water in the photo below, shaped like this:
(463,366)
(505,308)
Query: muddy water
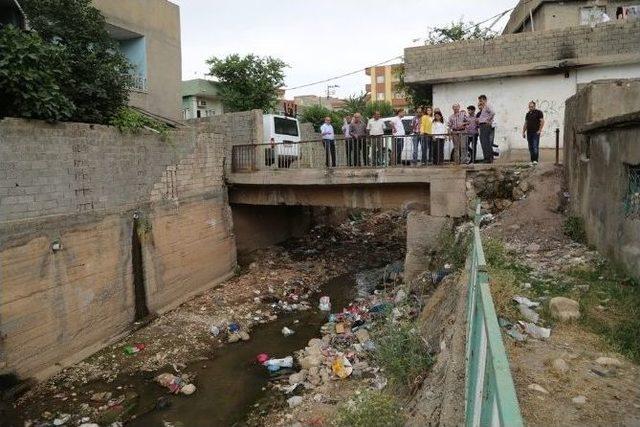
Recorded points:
(231,383)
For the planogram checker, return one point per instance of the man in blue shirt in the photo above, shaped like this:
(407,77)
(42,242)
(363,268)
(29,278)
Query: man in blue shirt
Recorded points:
(329,141)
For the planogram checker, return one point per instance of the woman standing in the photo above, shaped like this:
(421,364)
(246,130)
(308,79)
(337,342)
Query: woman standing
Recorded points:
(439,131)
(426,131)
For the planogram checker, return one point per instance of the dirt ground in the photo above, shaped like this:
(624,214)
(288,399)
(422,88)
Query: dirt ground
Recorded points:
(580,391)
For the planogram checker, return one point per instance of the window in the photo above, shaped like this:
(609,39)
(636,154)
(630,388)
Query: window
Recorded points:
(135,50)
(211,113)
(380,96)
(632,198)
(285,126)
(379,79)
(592,15)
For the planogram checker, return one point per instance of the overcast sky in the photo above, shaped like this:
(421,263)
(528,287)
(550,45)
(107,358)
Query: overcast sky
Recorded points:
(317,39)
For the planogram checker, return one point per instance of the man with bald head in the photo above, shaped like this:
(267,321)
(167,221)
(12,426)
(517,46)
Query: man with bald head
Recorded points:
(457,126)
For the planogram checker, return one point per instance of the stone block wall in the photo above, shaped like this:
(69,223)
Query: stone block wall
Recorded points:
(614,42)
(80,185)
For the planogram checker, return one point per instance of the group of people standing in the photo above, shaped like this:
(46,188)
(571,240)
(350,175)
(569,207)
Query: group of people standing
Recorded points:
(364,142)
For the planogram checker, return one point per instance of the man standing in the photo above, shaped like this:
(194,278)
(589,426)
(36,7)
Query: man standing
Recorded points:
(329,141)
(417,137)
(456,125)
(484,121)
(357,131)
(375,127)
(348,141)
(397,128)
(533,124)
(471,129)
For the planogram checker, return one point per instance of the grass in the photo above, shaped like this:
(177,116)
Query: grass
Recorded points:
(402,354)
(574,228)
(608,287)
(453,249)
(370,409)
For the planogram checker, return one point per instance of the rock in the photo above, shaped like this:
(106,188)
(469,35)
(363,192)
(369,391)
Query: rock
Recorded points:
(609,361)
(517,193)
(297,377)
(311,361)
(579,400)
(559,366)
(362,335)
(538,388)
(244,336)
(294,401)
(524,186)
(101,397)
(188,389)
(528,314)
(233,338)
(564,309)
(400,296)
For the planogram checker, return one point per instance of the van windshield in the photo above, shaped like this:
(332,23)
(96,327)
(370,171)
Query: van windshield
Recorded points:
(285,126)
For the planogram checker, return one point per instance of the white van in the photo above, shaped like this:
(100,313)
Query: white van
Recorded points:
(284,133)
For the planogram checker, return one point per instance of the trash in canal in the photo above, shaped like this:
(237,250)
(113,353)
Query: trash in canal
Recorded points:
(215,331)
(175,384)
(274,365)
(325,304)
(287,332)
(342,367)
(133,349)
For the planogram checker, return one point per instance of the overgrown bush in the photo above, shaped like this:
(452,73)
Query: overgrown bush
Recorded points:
(370,409)
(30,72)
(403,354)
(129,120)
(574,228)
(315,114)
(385,108)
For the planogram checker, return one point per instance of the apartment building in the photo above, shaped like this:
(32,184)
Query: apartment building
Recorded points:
(384,85)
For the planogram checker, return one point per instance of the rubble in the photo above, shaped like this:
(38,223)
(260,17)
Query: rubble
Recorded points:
(564,309)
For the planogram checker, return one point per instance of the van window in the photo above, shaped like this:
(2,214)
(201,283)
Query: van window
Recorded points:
(285,126)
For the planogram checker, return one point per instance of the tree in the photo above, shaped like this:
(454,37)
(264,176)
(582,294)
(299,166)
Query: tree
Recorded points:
(457,31)
(249,82)
(385,108)
(98,78)
(315,114)
(27,88)
(354,104)
(417,96)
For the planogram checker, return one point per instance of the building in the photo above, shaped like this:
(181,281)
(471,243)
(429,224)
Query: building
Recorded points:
(384,85)
(541,15)
(11,14)
(546,66)
(148,33)
(602,167)
(200,98)
(304,101)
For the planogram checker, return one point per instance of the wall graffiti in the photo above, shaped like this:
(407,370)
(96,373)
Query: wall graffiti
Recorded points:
(553,112)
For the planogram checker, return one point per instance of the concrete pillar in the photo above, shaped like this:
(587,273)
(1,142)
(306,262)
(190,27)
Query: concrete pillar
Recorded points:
(423,232)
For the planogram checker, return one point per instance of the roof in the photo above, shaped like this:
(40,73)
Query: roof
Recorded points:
(200,87)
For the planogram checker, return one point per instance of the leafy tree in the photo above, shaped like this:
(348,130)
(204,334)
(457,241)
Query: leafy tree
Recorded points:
(457,31)
(30,72)
(385,108)
(98,78)
(354,104)
(417,96)
(249,82)
(315,114)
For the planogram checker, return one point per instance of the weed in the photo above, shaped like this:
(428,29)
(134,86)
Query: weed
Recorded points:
(454,248)
(370,409)
(129,120)
(403,354)
(574,228)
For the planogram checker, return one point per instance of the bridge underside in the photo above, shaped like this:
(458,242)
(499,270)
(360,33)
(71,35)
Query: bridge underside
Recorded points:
(438,191)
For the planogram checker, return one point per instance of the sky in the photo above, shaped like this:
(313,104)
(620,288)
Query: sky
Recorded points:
(318,40)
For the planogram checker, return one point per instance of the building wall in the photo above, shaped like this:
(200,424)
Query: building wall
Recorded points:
(525,53)
(387,87)
(159,22)
(596,166)
(80,185)
(190,107)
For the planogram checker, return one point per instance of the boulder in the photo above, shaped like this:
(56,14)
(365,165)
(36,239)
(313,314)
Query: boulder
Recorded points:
(564,309)
(609,361)
(559,366)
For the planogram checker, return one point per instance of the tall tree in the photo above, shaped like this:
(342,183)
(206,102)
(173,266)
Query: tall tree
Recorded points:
(249,82)
(354,104)
(98,80)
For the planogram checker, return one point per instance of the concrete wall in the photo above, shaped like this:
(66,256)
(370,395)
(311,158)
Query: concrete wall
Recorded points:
(525,53)
(80,185)
(600,143)
(159,22)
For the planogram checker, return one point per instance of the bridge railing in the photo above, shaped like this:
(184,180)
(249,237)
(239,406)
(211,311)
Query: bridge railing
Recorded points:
(373,151)
(490,394)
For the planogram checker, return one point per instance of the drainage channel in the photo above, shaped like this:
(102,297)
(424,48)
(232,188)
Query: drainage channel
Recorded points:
(230,383)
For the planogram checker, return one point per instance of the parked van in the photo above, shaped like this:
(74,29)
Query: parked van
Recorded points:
(284,134)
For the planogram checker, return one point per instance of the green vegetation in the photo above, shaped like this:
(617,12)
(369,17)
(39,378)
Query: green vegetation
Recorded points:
(370,409)
(91,72)
(27,88)
(354,104)
(609,299)
(129,120)
(456,31)
(249,82)
(574,228)
(402,353)
(315,115)
(454,248)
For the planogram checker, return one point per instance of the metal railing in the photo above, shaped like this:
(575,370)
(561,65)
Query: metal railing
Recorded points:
(371,151)
(490,396)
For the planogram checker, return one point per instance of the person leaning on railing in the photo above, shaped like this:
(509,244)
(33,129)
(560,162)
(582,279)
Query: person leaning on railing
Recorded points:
(329,142)
(439,134)
(358,133)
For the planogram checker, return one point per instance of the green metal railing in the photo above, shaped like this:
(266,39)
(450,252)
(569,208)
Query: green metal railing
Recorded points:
(490,397)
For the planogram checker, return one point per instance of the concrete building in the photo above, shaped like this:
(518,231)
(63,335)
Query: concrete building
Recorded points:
(200,98)
(546,66)
(384,85)
(304,101)
(602,152)
(541,15)
(148,32)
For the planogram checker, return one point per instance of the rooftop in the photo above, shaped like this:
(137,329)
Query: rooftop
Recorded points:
(200,87)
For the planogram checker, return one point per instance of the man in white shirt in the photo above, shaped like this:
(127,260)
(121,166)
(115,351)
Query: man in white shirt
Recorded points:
(397,128)
(375,129)
(329,141)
